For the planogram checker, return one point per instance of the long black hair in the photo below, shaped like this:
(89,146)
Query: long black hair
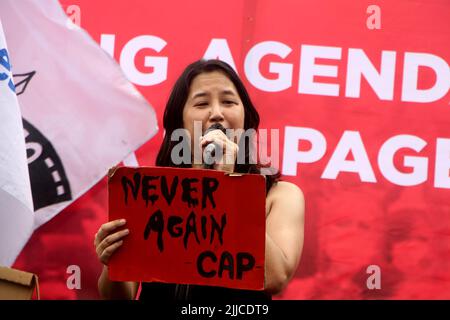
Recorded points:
(173,116)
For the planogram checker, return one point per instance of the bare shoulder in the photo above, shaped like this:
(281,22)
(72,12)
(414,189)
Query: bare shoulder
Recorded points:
(286,194)
(283,189)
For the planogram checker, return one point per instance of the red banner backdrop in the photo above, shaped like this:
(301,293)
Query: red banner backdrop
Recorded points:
(360,95)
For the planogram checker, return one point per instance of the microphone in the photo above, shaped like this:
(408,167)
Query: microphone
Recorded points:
(210,149)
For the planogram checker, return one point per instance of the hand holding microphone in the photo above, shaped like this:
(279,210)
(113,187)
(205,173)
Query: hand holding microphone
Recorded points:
(219,152)
(212,147)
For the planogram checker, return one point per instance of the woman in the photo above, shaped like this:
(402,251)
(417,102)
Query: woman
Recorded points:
(210,91)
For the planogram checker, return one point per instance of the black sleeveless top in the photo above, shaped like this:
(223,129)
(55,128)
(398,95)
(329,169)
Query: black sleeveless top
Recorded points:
(170,292)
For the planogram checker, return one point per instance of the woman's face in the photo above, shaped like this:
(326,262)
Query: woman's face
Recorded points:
(213,98)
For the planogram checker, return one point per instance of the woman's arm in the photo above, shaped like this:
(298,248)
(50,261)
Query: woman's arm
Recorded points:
(107,241)
(284,235)
(116,290)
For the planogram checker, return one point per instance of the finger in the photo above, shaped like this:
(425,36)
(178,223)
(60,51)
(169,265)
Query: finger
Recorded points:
(106,254)
(112,238)
(230,152)
(214,135)
(95,240)
(108,227)
(206,142)
(231,147)
(220,140)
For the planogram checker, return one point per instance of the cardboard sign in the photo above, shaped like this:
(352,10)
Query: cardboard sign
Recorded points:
(189,226)
(17,284)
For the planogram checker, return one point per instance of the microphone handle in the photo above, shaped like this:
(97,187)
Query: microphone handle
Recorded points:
(209,152)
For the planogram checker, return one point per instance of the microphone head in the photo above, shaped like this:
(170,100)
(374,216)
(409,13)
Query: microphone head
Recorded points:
(215,126)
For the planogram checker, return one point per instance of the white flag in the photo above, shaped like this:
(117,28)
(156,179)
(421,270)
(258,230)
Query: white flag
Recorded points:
(16,206)
(81,115)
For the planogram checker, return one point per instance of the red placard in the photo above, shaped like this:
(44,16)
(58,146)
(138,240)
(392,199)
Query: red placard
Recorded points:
(189,226)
